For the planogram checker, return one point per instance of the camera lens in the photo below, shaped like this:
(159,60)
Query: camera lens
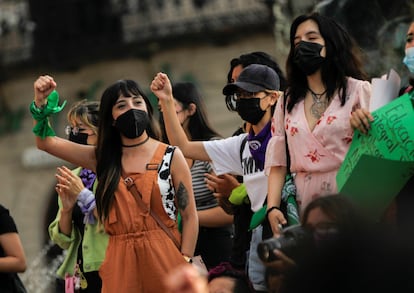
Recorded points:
(292,242)
(266,247)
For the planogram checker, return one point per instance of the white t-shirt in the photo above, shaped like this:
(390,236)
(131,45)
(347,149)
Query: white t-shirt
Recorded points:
(225,157)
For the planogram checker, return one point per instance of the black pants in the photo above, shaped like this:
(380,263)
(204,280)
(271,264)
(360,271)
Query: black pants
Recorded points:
(242,235)
(214,245)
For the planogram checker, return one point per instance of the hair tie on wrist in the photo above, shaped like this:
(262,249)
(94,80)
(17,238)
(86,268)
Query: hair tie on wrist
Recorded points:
(271,209)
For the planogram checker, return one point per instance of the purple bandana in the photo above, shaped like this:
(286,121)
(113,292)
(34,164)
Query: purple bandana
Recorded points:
(88,178)
(258,144)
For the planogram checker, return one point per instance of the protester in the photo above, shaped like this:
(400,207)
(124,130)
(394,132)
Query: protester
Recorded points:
(142,184)
(409,58)
(226,184)
(400,211)
(75,228)
(331,222)
(405,200)
(236,67)
(343,254)
(257,89)
(326,84)
(12,256)
(215,237)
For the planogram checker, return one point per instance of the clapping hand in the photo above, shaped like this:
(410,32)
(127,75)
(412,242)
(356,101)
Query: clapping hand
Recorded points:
(68,187)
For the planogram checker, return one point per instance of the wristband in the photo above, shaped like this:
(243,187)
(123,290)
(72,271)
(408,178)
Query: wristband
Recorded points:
(271,209)
(41,115)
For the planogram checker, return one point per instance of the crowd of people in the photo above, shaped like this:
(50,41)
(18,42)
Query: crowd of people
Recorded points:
(150,195)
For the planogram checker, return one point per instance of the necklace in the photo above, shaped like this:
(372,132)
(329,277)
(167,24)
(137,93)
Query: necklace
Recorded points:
(319,106)
(137,144)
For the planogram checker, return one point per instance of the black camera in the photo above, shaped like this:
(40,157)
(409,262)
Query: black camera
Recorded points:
(294,242)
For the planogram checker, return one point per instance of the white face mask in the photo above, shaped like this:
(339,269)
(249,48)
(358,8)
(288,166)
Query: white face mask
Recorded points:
(409,59)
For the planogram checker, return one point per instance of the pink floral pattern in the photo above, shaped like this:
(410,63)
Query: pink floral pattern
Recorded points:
(330,119)
(293,131)
(317,154)
(314,156)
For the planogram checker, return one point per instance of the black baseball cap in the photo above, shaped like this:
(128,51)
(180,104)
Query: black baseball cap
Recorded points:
(254,78)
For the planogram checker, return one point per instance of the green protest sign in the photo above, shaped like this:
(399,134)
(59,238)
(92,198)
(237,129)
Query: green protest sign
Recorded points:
(378,165)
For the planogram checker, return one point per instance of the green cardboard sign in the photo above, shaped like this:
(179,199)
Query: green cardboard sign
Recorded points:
(378,165)
(375,181)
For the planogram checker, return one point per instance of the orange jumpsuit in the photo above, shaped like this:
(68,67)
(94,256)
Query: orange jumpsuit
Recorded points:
(139,254)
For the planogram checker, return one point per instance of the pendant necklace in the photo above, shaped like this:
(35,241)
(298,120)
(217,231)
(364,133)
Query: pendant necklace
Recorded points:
(137,144)
(319,106)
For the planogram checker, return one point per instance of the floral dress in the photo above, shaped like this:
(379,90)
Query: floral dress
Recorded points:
(317,154)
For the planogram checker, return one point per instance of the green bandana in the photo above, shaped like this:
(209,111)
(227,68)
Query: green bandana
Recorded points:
(41,115)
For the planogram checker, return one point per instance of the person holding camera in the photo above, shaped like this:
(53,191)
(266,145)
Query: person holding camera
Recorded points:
(327,223)
(336,249)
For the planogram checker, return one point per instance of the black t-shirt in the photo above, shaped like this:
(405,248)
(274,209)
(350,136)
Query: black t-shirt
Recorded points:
(7,225)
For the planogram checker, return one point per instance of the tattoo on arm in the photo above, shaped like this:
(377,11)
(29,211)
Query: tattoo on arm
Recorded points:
(182,196)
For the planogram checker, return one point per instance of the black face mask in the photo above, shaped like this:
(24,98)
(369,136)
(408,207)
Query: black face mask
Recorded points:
(80,138)
(132,123)
(308,57)
(249,110)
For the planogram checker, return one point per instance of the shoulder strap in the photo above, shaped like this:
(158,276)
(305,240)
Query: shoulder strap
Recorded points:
(156,160)
(167,156)
(133,189)
(152,166)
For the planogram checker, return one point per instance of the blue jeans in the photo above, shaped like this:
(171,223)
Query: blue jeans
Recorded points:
(255,267)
